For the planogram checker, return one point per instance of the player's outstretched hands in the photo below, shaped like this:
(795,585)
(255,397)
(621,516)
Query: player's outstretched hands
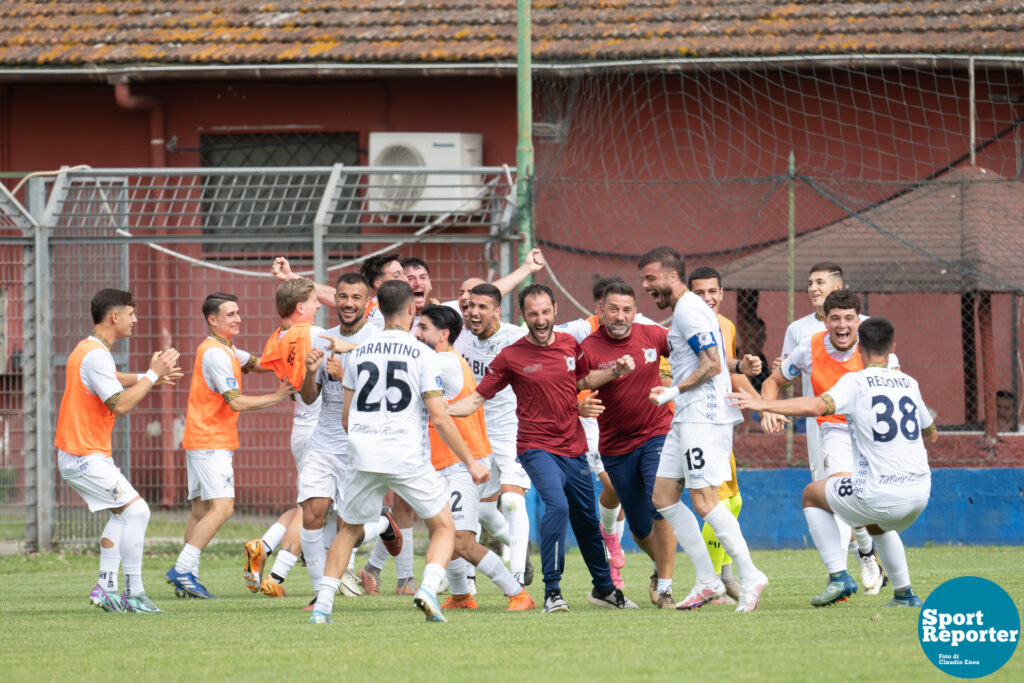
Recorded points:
(165,365)
(285,390)
(624,366)
(590,406)
(281,269)
(334,367)
(338,345)
(744,400)
(753,363)
(535,260)
(479,473)
(313,360)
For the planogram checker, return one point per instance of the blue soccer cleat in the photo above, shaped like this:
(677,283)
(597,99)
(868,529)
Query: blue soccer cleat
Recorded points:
(318,617)
(840,585)
(905,598)
(429,605)
(187,583)
(105,601)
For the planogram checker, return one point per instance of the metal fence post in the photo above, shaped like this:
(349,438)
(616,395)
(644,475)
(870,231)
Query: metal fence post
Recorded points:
(33,449)
(46,485)
(327,203)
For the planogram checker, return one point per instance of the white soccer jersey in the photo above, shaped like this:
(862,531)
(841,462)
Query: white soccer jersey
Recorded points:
(500,411)
(306,415)
(580,328)
(376,318)
(218,373)
(800,360)
(886,414)
(451,374)
(99,373)
(390,374)
(329,436)
(694,328)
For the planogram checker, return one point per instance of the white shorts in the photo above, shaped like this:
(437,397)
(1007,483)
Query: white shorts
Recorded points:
(211,474)
(97,479)
(836,451)
(896,515)
(698,451)
(590,428)
(301,434)
(323,476)
(505,469)
(425,490)
(465,497)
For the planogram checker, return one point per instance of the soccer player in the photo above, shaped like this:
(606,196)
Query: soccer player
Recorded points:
(706,282)
(95,393)
(826,356)
(546,369)
(392,385)
(891,482)
(632,430)
(211,434)
(326,462)
(696,452)
(438,325)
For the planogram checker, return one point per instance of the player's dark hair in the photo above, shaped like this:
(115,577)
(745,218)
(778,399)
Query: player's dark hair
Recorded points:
(487,289)
(291,293)
(704,273)
(832,269)
(444,318)
(212,303)
(875,335)
(601,283)
(373,267)
(842,298)
(617,287)
(393,296)
(535,290)
(669,258)
(107,300)
(352,279)
(416,262)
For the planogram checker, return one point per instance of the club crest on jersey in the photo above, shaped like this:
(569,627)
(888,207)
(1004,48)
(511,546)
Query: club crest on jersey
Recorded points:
(231,382)
(650,355)
(440,384)
(570,362)
(116,492)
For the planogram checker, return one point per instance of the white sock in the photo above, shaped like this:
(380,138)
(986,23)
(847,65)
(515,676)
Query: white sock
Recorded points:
(352,561)
(609,517)
(403,563)
(822,526)
(492,520)
(620,527)
(727,529)
(375,529)
(330,531)
(513,506)
(315,554)
(501,577)
(727,572)
(844,533)
(379,556)
(273,537)
(432,575)
(325,595)
(687,532)
(188,559)
(110,558)
(664,585)
(133,537)
(889,547)
(457,576)
(864,543)
(282,565)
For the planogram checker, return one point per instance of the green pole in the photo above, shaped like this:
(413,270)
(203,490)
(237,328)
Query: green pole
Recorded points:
(792,283)
(524,149)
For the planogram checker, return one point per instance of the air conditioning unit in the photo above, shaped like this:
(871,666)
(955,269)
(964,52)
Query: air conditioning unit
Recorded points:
(416,186)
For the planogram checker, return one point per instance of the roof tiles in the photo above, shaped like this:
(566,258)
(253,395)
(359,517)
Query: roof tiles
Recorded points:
(83,32)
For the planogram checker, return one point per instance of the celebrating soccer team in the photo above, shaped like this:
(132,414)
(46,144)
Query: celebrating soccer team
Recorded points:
(454,411)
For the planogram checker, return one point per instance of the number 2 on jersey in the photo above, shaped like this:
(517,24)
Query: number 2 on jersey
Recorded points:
(907,425)
(363,403)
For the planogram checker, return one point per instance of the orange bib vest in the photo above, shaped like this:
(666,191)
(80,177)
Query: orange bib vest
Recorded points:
(471,427)
(209,422)
(84,422)
(826,371)
(285,354)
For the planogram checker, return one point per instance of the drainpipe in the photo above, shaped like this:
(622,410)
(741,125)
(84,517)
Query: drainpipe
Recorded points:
(161,271)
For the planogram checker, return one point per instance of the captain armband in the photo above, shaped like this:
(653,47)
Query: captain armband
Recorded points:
(929,430)
(251,364)
(830,404)
(432,393)
(230,395)
(112,402)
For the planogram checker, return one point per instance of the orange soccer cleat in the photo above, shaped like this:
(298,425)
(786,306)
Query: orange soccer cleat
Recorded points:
(521,602)
(466,601)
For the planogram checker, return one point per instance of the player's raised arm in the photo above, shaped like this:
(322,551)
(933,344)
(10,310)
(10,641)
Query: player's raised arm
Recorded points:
(162,365)
(708,365)
(534,262)
(282,270)
(801,406)
(309,389)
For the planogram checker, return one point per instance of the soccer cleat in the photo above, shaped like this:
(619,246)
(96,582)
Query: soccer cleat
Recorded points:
(465,601)
(613,600)
(905,598)
(320,618)
(702,594)
(349,586)
(554,602)
(428,605)
(140,603)
(665,600)
(871,575)
(406,586)
(750,594)
(187,583)
(521,602)
(652,590)
(272,588)
(616,576)
(528,570)
(105,601)
(392,536)
(255,557)
(370,581)
(310,606)
(839,586)
(615,557)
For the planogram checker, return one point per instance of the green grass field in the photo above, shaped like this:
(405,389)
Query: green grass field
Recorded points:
(48,631)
